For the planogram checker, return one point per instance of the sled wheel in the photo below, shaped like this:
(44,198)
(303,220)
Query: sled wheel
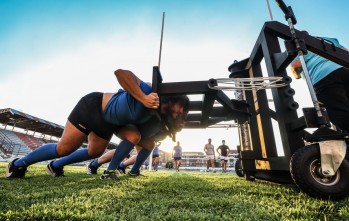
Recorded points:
(305,167)
(238,168)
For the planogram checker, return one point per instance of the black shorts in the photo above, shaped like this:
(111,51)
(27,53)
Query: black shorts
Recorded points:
(177,158)
(87,116)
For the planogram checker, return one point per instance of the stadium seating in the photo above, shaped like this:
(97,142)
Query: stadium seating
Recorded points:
(5,147)
(14,143)
(30,141)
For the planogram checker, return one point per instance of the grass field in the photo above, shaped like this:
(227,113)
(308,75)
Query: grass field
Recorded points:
(163,195)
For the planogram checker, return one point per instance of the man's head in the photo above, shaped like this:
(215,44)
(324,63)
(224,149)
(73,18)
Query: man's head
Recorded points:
(174,111)
(223,142)
(209,140)
(177,103)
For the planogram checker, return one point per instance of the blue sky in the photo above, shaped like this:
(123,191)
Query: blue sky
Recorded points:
(54,52)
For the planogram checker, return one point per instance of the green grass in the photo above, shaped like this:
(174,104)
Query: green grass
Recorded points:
(163,195)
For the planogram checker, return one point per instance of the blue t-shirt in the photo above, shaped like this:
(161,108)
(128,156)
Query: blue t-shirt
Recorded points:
(177,151)
(123,109)
(318,66)
(156,150)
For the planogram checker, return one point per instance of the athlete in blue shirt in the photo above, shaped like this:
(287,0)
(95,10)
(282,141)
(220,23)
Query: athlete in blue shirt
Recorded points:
(331,84)
(133,114)
(156,156)
(223,150)
(177,155)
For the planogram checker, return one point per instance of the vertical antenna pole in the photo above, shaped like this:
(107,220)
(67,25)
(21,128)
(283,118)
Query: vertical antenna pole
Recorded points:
(162,33)
(271,15)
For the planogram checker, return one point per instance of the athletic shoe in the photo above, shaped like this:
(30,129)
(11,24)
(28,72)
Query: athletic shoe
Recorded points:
(53,171)
(90,169)
(135,174)
(13,171)
(121,170)
(214,171)
(109,175)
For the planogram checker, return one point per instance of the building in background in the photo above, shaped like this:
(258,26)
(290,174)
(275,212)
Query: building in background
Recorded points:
(197,160)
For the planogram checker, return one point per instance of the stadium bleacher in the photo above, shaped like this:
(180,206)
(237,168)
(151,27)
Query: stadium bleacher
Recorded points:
(30,141)
(14,143)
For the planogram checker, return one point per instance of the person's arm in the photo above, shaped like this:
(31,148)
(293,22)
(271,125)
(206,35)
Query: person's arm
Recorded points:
(205,148)
(130,82)
(218,149)
(296,68)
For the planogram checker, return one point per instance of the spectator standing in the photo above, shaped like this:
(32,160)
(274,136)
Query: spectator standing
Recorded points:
(210,155)
(156,156)
(223,150)
(177,155)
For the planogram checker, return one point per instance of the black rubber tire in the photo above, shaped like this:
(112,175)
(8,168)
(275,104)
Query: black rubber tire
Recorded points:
(305,168)
(238,168)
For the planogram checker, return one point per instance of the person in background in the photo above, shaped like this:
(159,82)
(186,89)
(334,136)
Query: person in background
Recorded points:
(223,150)
(146,164)
(177,155)
(156,156)
(210,155)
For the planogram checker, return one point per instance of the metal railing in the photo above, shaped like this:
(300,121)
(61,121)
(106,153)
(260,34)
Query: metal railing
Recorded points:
(8,148)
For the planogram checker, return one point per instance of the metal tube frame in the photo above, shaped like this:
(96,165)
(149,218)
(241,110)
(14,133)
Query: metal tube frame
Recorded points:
(261,160)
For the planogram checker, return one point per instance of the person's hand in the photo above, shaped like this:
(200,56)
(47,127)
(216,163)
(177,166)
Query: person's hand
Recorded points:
(151,101)
(296,72)
(296,69)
